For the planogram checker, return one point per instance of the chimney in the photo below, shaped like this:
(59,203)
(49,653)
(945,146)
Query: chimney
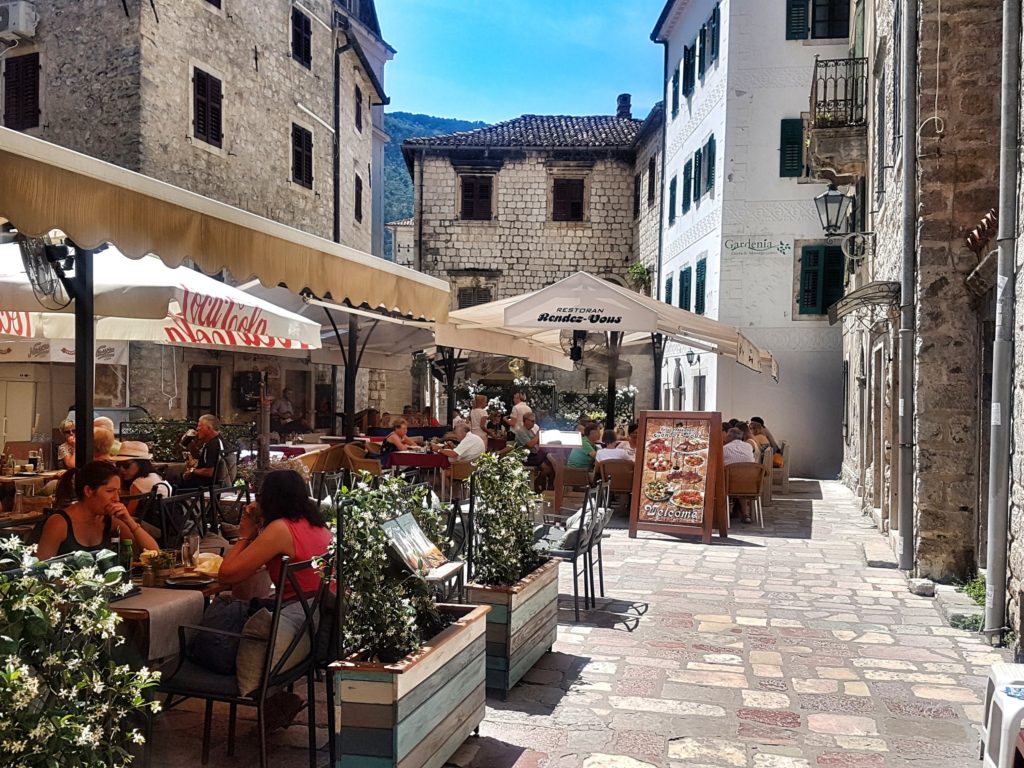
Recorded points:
(623,107)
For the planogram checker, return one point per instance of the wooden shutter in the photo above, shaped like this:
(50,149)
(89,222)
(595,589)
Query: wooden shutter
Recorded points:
(359,108)
(833,277)
(715,24)
(672,200)
(216,101)
(568,200)
(702,42)
(636,196)
(675,92)
(689,65)
(359,199)
(791,147)
(685,280)
(698,299)
(687,185)
(302,38)
(668,289)
(796,19)
(201,105)
(698,188)
(302,156)
(652,180)
(476,198)
(21,92)
(709,161)
(812,258)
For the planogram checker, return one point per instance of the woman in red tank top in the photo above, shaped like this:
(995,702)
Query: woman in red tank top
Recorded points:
(283,521)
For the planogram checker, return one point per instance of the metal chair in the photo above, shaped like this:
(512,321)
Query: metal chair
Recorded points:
(573,546)
(603,510)
(191,681)
(181,512)
(744,480)
(459,472)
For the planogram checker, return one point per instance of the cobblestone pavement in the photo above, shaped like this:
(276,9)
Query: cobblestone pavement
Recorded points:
(798,646)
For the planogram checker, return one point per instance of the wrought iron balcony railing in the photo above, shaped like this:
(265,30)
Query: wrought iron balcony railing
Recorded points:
(839,93)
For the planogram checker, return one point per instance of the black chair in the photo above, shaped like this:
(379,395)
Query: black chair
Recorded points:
(575,549)
(191,681)
(603,509)
(181,513)
(225,505)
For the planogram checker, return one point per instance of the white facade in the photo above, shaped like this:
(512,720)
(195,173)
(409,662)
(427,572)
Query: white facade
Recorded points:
(749,227)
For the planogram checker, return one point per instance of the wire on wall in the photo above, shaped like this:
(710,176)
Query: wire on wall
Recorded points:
(940,124)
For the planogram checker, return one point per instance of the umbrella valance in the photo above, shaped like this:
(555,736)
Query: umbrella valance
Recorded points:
(45,187)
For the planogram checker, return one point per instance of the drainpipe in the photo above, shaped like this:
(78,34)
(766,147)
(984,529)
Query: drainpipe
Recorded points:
(341,25)
(658,345)
(1002,348)
(907,314)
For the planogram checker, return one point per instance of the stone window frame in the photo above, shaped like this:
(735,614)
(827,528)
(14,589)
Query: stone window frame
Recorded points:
(292,184)
(216,10)
(557,171)
(222,150)
(457,198)
(24,50)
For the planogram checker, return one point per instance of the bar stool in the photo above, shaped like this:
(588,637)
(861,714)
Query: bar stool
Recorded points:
(1004,723)
(999,676)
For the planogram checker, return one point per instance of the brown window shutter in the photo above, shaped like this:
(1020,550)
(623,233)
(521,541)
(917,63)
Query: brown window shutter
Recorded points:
(359,108)
(21,92)
(216,111)
(359,199)
(200,105)
(568,200)
(468,197)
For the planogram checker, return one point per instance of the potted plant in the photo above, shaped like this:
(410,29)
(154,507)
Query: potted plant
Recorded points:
(411,676)
(63,697)
(518,583)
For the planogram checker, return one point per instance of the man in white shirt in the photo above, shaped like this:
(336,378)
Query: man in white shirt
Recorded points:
(519,409)
(611,450)
(470,446)
(736,449)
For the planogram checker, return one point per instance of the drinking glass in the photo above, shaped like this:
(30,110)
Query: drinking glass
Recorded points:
(189,550)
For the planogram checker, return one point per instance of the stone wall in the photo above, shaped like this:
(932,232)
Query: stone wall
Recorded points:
(646,232)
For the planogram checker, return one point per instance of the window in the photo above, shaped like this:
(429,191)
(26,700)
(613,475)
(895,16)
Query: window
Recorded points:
(203,390)
(476,197)
(821,278)
(830,19)
(880,138)
(359,199)
(897,68)
(702,50)
(687,184)
(207,108)
(567,200)
(709,164)
(675,92)
(214,3)
(685,280)
(359,109)
(668,289)
(21,92)
(689,69)
(796,19)
(302,38)
(714,32)
(636,196)
(698,299)
(791,147)
(672,200)
(698,189)
(302,156)
(474,295)
(652,181)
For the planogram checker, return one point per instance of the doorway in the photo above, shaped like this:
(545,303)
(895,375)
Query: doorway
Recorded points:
(298,383)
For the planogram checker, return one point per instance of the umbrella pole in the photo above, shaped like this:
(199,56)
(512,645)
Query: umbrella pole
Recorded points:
(614,337)
(351,369)
(81,289)
(658,352)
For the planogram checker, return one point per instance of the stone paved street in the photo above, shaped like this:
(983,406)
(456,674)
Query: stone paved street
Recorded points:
(792,647)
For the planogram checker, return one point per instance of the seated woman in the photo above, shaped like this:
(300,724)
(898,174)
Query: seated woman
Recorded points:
(135,464)
(283,521)
(66,450)
(87,524)
(495,426)
(611,448)
(66,490)
(398,440)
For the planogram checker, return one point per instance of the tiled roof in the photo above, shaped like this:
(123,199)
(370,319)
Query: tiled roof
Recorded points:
(543,131)
(400,223)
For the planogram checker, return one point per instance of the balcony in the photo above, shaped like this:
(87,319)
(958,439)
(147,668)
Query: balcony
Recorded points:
(838,124)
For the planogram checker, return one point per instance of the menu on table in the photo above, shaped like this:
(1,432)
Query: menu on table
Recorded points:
(677,486)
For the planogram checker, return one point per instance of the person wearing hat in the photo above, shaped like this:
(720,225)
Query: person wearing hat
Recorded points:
(135,465)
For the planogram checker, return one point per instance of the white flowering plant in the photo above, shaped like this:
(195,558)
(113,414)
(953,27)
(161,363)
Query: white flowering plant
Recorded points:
(389,613)
(504,534)
(64,698)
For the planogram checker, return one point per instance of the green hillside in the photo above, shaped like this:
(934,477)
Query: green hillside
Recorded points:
(397,182)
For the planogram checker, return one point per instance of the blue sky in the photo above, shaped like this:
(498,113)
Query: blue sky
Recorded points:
(492,60)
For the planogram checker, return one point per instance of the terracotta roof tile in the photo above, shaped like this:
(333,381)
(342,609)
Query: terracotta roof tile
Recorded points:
(542,131)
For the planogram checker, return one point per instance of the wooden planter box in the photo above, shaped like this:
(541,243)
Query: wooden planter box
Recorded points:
(521,626)
(417,712)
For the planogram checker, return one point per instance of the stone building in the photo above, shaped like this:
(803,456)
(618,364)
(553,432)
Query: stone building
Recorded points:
(272,106)
(855,136)
(741,242)
(507,209)
(403,241)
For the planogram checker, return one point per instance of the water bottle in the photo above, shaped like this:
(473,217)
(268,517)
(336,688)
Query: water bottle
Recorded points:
(18,496)
(126,557)
(115,540)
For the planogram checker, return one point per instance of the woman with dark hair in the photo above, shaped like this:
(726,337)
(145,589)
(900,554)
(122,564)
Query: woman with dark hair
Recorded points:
(135,463)
(283,521)
(87,524)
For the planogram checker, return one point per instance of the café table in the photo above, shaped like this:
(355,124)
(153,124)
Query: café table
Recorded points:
(29,483)
(297,449)
(421,460)
(150,619)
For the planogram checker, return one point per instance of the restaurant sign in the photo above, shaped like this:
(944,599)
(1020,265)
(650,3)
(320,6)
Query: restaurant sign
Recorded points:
(60,351)
(751,245)
(609,314)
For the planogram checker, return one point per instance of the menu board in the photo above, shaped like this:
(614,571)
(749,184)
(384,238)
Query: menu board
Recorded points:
(680,483)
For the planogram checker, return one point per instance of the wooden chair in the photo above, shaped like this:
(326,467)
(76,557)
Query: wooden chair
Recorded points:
(459,472)
(781,474)
(767,461)
(744,480)
(358,461)
(335,459)
(618,474)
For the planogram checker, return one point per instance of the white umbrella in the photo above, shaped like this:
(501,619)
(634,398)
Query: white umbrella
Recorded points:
(145,300)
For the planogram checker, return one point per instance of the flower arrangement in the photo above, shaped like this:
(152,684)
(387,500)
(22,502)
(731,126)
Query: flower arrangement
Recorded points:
(388,612)
(61,692)
(505,500)
(246,472)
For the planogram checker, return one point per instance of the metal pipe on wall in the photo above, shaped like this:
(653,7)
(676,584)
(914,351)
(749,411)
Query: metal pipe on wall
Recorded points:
(908,317)
(1002,347)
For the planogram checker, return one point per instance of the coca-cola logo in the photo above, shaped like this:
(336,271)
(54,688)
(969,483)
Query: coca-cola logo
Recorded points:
(16,324)
(221,314)
(179,331)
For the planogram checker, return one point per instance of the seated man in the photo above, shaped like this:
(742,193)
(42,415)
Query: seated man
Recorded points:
(583,457)
(469,446)
(527,435)
(612,448)
(764,438)
(736,450)
(284,418)
(210,448)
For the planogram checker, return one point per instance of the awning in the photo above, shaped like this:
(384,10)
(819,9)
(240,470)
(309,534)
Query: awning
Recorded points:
(45,187)
(876,293)
(582,302)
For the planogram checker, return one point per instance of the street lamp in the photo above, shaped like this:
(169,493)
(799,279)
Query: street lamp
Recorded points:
(691,357)
(833,207)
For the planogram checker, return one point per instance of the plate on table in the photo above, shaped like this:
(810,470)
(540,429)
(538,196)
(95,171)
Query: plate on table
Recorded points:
(189,581)
(26,474)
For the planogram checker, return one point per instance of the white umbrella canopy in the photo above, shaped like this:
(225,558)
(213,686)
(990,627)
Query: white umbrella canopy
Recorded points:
(145,300)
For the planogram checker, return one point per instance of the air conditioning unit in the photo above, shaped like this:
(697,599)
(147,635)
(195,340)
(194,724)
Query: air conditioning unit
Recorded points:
(18,19)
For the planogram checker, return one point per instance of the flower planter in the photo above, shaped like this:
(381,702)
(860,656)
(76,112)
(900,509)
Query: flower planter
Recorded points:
(417,712)
(521,626)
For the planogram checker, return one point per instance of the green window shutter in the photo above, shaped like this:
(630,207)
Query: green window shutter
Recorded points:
(675,92)
(812,260)
(672,201)
(791,147)
(709,159)
(698,189)
(698,299)
(716,31)
(687,185)
(833,277)
(668,289)
(689,54)
(796,20)
(702,44)
(685,278)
